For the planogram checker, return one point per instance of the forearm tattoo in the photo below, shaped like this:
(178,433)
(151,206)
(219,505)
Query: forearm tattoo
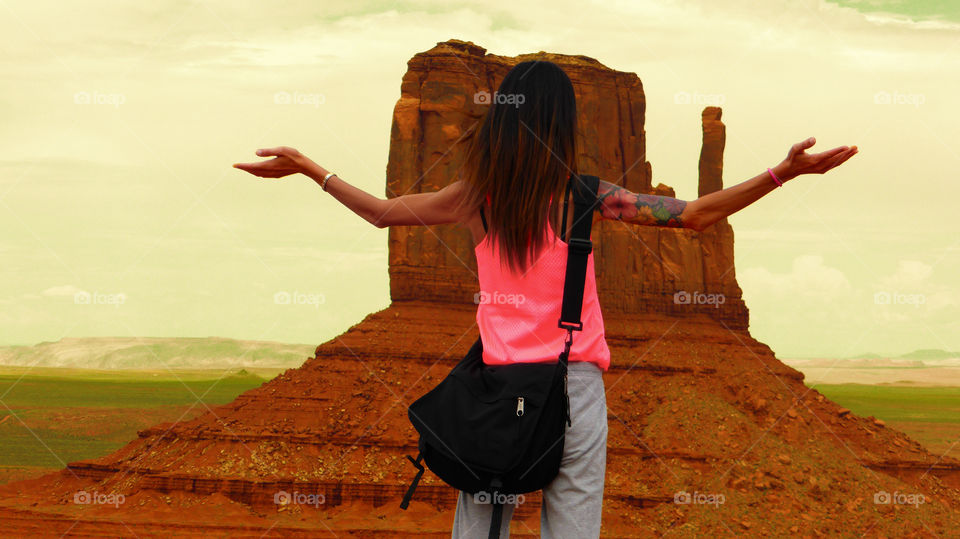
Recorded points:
(619,203)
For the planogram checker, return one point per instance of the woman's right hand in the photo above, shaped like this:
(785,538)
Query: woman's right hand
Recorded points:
(286,161)
(799,162)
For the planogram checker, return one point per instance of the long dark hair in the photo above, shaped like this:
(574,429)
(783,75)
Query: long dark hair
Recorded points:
(520,156)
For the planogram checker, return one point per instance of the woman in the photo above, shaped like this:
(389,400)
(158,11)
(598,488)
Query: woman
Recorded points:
(511,197)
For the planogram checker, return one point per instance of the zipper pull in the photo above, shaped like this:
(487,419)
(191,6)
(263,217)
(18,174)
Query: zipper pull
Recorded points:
(519,406)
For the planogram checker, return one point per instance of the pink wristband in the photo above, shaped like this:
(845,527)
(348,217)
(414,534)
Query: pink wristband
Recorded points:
(774,176)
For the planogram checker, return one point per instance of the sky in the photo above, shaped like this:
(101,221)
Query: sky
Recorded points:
(120,214)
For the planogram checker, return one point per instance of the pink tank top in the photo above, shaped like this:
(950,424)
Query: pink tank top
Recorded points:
(517,314)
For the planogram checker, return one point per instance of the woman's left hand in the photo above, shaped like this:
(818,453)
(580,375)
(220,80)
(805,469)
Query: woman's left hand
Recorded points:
(287,161)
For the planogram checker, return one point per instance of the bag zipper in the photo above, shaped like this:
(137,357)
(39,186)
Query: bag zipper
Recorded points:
(519,406)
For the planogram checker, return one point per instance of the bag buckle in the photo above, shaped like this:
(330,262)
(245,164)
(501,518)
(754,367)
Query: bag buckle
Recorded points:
(580,246)
(570,326)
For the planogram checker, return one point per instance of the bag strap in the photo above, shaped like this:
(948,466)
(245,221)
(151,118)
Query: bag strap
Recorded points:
(580,246)
(496,519)
(566,197)
(416,480)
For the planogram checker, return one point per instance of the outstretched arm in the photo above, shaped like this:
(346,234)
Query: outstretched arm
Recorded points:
(434,208)
(621,204)
(714,206)
(616,202)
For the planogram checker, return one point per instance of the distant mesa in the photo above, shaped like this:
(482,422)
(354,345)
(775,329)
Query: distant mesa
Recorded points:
(927,353)
(110,353)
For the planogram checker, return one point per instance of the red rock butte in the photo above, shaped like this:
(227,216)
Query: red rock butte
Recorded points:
(709,432)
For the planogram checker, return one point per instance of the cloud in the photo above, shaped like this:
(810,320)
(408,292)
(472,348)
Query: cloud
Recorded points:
(808,276)
(817,308)
(912,281)
(908,273)
(63,290)
(898,20)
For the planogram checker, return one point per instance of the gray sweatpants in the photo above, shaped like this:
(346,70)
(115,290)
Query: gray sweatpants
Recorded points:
(573,501)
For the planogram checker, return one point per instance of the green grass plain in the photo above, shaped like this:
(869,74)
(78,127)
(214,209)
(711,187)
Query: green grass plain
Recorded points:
(929,415)
(897,403)
(51,416)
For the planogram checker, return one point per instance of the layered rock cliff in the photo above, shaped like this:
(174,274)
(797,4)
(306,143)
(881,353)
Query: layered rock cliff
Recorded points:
(641,268)
(709,433)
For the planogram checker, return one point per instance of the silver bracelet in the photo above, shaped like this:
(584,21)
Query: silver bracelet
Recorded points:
(323,185)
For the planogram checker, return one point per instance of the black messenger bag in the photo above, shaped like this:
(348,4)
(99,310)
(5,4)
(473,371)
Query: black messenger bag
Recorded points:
(499,429)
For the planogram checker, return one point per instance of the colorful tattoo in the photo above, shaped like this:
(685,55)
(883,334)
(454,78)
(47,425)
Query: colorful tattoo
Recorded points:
(621,204)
